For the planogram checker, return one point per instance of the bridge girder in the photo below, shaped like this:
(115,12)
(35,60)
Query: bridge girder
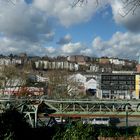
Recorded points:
(73,108)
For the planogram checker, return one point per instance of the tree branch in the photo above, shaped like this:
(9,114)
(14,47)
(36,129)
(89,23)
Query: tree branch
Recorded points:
(130,6)
(11,1)
(81,2)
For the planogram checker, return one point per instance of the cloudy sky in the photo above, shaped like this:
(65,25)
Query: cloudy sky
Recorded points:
(55,27)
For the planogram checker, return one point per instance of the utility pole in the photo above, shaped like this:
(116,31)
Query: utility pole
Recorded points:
(126,120)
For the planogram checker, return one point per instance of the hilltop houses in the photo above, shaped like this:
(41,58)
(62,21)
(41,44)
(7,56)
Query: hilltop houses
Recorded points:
(80,70)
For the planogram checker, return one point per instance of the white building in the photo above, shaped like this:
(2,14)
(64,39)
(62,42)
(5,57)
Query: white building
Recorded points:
(116,61)
(91,84)
(8,61)
(76,84)
(56,65)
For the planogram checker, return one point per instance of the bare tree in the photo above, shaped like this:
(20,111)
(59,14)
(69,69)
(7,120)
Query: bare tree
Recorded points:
(9,75)
(81,2)
(57,86)
(129,6)
(75,88)
(12,80)
(64,85)
(9,1)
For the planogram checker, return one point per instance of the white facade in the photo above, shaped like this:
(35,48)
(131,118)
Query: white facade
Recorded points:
(116,61)
(8,61)
(56,65)
(94,68)
(91,84)
(41,79)
(78,78)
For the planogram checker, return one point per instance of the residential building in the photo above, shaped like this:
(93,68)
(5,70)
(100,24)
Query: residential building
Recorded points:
(116,61)
(104,60)
(48,65)
(9,61)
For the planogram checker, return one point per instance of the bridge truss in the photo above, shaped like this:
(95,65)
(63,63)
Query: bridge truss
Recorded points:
(35,109)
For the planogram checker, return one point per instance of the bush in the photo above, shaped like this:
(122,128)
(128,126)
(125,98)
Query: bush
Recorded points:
(76,131)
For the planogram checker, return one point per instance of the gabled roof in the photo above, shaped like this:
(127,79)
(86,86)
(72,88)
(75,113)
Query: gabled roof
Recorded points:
(78,78)
(91,84)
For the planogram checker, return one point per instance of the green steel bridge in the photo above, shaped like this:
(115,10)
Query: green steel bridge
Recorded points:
(35,109)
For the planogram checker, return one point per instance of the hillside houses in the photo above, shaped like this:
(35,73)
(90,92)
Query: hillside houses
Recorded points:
(10,61)
(45,65)
(71,63)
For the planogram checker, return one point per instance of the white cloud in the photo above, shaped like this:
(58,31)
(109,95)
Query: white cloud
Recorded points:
(23,28)
(8,45)
(51,50)
(48,37)
(123,45)
(22,21)
(130,21)
(63,11)
(65,40)
(67,15)
(87,52)
(72,48)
